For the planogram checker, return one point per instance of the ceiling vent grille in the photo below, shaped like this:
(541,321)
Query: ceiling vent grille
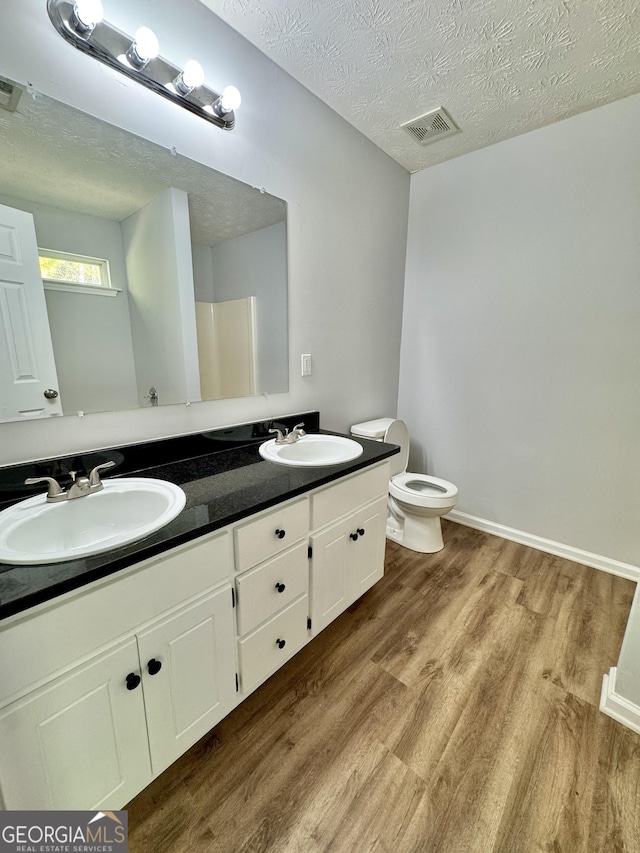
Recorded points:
(9,94)
(431,126)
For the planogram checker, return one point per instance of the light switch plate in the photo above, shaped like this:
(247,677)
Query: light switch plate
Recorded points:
(306,364)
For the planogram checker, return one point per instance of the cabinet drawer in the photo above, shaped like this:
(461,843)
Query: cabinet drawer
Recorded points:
(270,587)
(271,533)
(262,651)
(341,498)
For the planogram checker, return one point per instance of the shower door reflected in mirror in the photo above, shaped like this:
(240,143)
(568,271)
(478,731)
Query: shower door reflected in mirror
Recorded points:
(174,233)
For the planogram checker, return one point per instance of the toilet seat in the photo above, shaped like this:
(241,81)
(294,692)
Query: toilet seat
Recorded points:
(422,490)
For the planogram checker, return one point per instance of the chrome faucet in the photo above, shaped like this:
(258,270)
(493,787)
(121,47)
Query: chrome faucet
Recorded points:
(289,437)
(81,486)
(152,396)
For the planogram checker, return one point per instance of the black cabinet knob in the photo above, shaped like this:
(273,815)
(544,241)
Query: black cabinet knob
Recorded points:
(281,534)
(280,644)
(132,681)
(280,587)
(361,531)
(154,666)
(353,536)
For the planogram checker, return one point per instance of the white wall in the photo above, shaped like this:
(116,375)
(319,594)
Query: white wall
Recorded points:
(157,247)
(91,334)
(521,339)
(347,214)
(202,272)
(255,264)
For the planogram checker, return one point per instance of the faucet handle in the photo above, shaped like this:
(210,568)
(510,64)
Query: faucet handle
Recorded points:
(280,438)
(94,477)
(298,428)
(54,489)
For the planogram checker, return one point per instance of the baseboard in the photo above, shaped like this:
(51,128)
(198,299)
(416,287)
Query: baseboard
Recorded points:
(616,706)
(586,558)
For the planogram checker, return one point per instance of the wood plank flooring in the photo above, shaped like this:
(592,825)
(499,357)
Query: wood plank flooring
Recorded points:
(453,709)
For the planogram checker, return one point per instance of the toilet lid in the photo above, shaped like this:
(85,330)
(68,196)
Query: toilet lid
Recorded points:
(397,433)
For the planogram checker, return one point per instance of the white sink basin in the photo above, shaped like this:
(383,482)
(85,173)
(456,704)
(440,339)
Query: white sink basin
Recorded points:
(312,451)
(34,531)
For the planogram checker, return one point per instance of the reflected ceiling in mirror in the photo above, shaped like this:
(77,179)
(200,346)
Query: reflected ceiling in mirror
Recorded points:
(73,172)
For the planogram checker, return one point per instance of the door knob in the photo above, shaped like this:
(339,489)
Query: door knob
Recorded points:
(280,534)
(51,394)
(280,644)
(280,587)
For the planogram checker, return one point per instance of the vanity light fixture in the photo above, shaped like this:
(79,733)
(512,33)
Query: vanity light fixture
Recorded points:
(81,23)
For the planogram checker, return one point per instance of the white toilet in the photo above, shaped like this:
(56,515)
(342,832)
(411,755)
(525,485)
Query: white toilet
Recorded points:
(416,501)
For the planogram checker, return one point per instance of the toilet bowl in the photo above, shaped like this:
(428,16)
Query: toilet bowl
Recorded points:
(416,501)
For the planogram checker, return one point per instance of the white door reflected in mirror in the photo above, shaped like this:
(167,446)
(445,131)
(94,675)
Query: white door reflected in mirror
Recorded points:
(28,377)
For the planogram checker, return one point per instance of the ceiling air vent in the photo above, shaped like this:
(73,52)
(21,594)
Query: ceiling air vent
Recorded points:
(9,94)
(431,126)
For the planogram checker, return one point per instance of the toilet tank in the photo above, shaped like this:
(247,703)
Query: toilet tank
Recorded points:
(375,429)
(391,430)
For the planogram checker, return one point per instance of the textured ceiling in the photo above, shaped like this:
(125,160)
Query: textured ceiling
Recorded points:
(56,155)
(500,67)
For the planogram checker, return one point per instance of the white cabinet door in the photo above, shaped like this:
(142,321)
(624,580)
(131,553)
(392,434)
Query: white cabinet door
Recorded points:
(189,675)
(329,583)
(348,558)
(367,551)
(81,741)
(27,366)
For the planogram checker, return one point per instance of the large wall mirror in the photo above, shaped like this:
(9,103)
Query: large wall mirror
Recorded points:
(193,304)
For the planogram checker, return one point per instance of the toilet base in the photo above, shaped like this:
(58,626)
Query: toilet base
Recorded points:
(418,534)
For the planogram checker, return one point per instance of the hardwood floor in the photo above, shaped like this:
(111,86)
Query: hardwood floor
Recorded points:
(454,708)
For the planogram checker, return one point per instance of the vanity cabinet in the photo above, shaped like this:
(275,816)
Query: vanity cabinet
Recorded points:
(81,741)
(103,688)
(100,728)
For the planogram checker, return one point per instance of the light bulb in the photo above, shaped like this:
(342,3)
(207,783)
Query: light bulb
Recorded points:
(87,13)
(146,44)
(189,78)
(230,99)
(144,48)
(193,75)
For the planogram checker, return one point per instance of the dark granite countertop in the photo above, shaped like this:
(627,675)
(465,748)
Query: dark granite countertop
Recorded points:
(222,486)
